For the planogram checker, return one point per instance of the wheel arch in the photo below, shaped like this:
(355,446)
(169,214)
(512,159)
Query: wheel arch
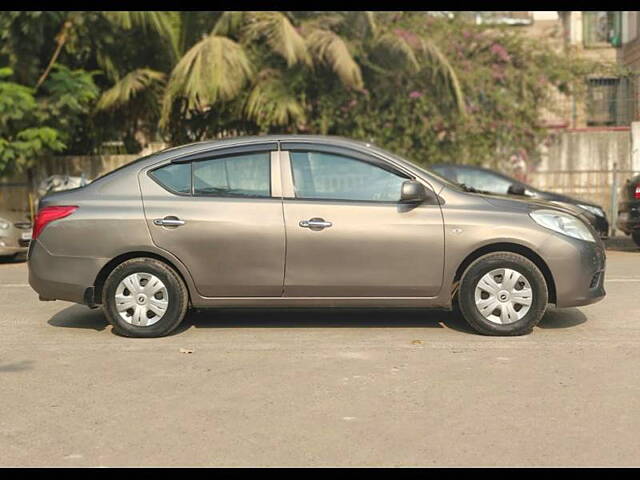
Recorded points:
(114,262)
(512,248)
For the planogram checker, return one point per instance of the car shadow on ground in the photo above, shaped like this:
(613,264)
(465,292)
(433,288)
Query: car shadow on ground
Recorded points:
(562,318)
(13,259)
(81,317)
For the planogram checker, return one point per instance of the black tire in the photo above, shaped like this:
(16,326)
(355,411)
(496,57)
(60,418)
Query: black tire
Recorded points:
(636,238)
(178,298)
(487,263)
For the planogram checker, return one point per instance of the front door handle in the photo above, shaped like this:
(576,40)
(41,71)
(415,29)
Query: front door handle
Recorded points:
(168,222)
(315,223)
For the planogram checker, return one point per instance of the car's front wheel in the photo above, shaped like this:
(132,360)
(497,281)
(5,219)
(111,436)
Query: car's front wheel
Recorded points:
(502,293)
(144,297)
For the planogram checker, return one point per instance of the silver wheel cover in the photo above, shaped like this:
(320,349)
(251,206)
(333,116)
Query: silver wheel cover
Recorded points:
(503,296)
(141,299)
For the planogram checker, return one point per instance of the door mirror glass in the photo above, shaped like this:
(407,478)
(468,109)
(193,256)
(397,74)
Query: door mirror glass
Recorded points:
(413,192)
(517,189)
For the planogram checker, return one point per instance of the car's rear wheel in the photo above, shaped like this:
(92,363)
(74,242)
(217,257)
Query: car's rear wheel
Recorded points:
(636,237)
(144,297)
(502,293)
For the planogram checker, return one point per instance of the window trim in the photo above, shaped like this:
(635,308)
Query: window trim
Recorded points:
(292,147)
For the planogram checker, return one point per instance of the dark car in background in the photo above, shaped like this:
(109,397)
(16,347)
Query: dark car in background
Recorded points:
(483,179)
(629,209)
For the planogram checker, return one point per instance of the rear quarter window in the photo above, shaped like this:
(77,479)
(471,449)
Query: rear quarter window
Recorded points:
(175,177)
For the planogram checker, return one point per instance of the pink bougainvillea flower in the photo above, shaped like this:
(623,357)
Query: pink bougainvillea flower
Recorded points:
(500,52)
(415,94)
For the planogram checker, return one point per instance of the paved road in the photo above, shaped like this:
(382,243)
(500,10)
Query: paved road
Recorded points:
(321,388)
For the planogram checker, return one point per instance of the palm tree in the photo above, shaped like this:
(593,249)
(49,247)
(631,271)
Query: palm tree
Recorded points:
(263,68)
(157,22)
(258,58)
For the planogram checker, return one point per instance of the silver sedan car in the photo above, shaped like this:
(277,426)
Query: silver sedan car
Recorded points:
(15,234)
(281,221)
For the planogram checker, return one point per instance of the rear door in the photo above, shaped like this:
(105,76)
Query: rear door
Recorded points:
(221,215)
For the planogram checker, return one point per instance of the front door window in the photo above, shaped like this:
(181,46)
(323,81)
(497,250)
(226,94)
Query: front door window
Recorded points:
(319,175)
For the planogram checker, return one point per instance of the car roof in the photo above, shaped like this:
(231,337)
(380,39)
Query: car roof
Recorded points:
(230,142)
(223,142)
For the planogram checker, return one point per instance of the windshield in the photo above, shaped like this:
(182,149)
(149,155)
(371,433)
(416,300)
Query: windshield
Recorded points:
(422,168)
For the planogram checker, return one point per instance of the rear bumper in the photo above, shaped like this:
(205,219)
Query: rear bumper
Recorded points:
(56,277)
(628,224)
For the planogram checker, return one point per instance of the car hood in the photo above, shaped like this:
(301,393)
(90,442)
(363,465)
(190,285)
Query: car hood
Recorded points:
(528,204)
(557,197)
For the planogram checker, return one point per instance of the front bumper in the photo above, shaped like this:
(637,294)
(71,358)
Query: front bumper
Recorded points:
(6,251)
(601,225)
(11,244)
(578,270)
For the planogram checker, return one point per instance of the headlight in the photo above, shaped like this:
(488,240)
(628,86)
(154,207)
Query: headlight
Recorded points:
(562,223)
(597,211)
(4,224)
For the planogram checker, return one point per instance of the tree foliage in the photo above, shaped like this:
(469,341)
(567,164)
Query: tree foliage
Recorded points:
(433,89)
(31,125)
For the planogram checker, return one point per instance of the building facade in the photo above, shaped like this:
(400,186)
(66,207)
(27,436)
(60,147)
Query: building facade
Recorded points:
(609,37)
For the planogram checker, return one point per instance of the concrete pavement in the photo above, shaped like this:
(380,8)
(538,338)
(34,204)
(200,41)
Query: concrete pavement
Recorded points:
(298,388)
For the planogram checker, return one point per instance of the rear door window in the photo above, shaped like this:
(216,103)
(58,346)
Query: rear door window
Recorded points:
(246,175)
(175,177)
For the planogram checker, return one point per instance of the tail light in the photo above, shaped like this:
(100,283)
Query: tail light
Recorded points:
(637,194)
(47,215)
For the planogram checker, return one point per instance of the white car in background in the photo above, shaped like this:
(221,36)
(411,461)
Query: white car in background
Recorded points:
(57,183)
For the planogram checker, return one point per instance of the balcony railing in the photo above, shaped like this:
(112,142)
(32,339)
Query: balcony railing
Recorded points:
(504,18)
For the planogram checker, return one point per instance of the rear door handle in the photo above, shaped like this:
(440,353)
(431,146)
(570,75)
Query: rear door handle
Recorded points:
(315,223)
(168,222)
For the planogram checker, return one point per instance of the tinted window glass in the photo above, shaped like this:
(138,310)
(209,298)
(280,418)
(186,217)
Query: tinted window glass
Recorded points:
(247,175)
(175,177)
(482,180)
(334,177)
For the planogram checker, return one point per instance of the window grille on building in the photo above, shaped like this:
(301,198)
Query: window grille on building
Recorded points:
(612,101)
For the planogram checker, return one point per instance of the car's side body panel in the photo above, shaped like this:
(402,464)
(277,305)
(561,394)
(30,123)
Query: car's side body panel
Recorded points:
(238,257)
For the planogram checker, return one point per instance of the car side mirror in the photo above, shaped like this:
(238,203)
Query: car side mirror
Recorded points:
(413,191)
(517,189)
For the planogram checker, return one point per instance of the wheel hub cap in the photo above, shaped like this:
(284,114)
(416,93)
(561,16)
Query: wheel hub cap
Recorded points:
(141,299)
(503,296)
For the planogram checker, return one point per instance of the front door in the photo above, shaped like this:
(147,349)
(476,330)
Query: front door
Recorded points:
(348,235)
(221,217)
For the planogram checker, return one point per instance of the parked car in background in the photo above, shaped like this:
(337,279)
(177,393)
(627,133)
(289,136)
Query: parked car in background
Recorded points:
(480,178)
(629,209)
(293,220)
(15,234)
